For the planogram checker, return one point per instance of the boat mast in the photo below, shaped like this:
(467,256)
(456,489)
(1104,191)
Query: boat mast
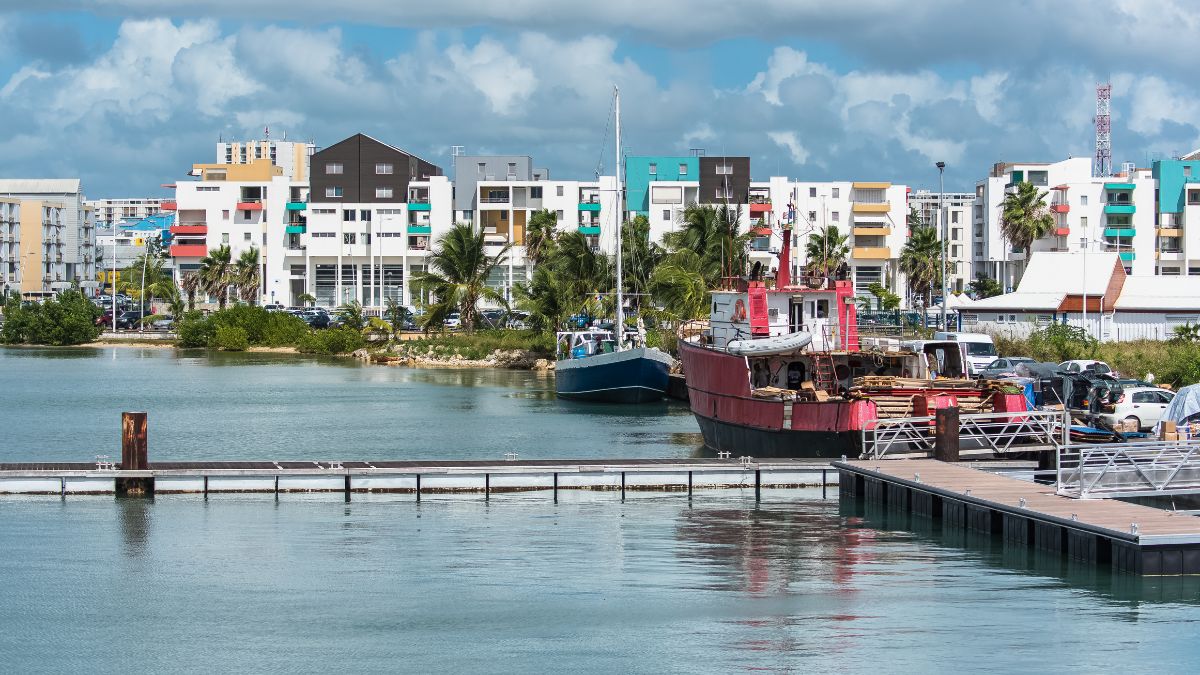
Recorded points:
(620,218)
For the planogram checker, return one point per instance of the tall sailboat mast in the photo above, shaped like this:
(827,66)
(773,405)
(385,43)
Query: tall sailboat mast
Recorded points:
(620,209)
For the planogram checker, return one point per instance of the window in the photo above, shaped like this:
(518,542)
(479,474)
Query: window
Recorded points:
(1083,200)
(558,215)
(812,216)
(383,169)
(207,188)
(535,192)
(348,215)
(558,191)
(666,214)
(1187,171)
(224,237)
(836,216)
(365,215)
(724,169)
(383,193)
(504,215)
(1194,271)
(722,193)
(335,192)
(836,192)
(683,169)
(954,216)
(246,215)
(481,169)
(1193,197)
(653,169)
(225,214)
(327,212)
(333,168)
(955,251)
(812,192)
(349,238)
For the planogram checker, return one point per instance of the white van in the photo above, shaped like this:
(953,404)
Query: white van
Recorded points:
(978,348)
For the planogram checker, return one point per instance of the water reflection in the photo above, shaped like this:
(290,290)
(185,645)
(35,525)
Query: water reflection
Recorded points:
(133,517)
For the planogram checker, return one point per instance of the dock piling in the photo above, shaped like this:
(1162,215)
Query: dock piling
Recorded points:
(134,456)
(945,444)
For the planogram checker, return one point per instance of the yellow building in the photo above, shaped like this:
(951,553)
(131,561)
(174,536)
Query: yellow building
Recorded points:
(42,268)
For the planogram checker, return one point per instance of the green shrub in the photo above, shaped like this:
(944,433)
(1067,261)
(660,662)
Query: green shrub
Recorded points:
(69,319)
(194,329)
(229,339)
(341,340)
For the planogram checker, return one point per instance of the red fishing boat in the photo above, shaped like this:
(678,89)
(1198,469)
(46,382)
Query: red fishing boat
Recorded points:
(782,371)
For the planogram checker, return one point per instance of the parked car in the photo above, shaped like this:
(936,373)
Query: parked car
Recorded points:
(1003,367)
(1080,365)
(1143,405)
(105,320)
(273,307)
(1130,383)
(130,319)
(453,321)
(163,322)
(316,318)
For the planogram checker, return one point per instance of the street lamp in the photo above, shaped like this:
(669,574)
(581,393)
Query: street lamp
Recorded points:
(941,167)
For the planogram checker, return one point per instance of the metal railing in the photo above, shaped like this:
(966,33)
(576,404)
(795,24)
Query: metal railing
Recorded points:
(978,433)
(1129,469)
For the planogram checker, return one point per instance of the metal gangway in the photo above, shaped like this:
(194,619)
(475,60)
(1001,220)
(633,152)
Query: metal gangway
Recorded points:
(1131,469)
(994,433)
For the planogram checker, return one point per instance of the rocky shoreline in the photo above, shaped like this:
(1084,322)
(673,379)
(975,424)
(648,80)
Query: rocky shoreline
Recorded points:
(512,359)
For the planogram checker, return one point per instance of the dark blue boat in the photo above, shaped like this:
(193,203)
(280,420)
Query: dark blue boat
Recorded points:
(588,373)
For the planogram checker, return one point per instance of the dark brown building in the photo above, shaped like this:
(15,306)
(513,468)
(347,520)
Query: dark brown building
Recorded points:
(361,170)
(724,180)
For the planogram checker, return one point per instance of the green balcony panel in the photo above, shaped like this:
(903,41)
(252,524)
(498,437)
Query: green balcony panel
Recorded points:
(589,230)
(1127,256)
(294,229)
(1119,208)
(1118,186)
(297,206)
(1119,232)
(420,229)
(415,206)
(589,206)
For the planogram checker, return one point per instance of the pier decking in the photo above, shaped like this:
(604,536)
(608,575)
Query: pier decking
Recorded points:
(1132,538)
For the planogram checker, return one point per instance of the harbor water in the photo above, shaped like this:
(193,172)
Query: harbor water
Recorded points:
(518,583)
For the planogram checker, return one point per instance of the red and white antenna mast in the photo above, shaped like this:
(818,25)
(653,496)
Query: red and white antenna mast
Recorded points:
(1102,165)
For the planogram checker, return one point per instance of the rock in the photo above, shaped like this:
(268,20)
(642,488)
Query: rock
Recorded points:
(362,355)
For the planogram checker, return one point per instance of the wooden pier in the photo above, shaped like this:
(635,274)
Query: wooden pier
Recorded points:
(1129,537)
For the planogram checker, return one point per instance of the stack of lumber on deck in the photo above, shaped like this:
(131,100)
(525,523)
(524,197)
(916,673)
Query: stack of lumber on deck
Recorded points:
(896,396)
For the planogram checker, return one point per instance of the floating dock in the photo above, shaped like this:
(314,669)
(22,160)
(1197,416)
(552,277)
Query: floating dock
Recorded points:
(1131,538)
(414,477)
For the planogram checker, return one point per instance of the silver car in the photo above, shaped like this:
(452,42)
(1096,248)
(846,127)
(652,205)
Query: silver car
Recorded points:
(1004,367)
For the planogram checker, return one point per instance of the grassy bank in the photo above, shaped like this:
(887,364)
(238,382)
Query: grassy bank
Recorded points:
(477,346)
(1176,363)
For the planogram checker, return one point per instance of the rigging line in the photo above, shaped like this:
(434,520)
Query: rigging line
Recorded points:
(604,140)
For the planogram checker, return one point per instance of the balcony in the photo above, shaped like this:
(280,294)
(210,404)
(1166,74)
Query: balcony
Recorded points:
(188,250)
(1119,187)
(759,207)
(1062,231)
(761,230)
(589,229)
(250,206)
(872,252)
(169,206)
(190,228)
(590,206)
(1060,208)
(1119,232)
(295,229)
(297,206)
(872,231)
(1119,209)
(860,207)
(418,206)
(420,229)
(1127,256)
(1169,232)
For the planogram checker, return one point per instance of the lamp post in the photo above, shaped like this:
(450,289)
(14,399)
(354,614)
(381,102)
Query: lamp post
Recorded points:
(941,167)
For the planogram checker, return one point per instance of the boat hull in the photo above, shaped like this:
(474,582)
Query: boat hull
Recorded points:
(740,439)
(632,376)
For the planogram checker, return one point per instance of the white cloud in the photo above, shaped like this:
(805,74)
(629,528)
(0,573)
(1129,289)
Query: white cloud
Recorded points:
(495,73)
(788,141)
(1154,101)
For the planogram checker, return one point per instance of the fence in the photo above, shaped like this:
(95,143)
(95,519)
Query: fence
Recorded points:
(978,433)
(1129,469)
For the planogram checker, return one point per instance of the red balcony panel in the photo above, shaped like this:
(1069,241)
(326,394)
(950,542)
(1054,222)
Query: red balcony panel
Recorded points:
(188,250)
(169,206)
(249,206)
(1062,231)
(189,229)
(760,208)
(762,231)
(1060,208)
(1060,187)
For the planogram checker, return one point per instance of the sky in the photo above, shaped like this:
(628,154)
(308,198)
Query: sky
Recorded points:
(127,94)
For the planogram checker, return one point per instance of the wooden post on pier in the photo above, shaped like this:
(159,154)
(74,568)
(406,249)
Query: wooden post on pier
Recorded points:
(134,456)
(945,445)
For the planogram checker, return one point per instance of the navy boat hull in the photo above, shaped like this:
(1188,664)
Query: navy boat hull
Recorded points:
(632,376)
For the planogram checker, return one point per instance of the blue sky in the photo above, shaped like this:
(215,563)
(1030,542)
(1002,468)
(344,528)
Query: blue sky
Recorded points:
(129,96)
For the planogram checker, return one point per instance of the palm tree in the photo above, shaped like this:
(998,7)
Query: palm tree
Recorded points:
(459,268)
(712,233)
(306,299)
(549,298)
(216,273)
(1025,217)
(352,315)
(539,237)
(191,284)
(921,261)
(679,286)
(826,251)
(639,257)
(247,276)
(397,314)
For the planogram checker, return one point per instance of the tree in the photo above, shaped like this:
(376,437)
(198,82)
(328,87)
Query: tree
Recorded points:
(712,233)
(397,314)
(914,218)
(549,297)
(921,261)
(459,268)
(306,299)
(679,287)
(827,251)
(1025,217)
(985,287)
(216,273)
(640,256)
(351,314)
(68,319)
(191,284)
(539,236)
(146,272)
(884,298)
(247,276)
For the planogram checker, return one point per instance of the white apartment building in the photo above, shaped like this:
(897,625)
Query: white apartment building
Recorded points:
(10,244)
(1102,215)
(73,259)
(111,211)
(957,207)
(291,156)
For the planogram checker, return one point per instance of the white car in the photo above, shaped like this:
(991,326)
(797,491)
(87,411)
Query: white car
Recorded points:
(1144,405)
(453,321)
(1080,365)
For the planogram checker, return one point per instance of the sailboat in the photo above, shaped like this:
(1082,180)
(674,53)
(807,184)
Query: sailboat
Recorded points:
(613,366)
